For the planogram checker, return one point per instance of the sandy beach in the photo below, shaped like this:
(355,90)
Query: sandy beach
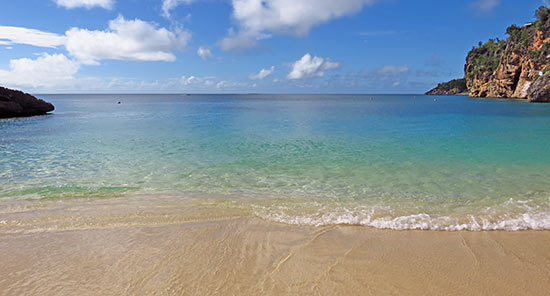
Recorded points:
(114,247)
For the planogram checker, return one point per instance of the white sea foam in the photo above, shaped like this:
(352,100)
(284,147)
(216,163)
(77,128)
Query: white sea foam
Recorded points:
(488,219)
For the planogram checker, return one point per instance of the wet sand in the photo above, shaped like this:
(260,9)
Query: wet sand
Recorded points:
(110,248)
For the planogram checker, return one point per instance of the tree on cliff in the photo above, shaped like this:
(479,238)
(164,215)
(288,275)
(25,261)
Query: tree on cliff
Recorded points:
(543,13)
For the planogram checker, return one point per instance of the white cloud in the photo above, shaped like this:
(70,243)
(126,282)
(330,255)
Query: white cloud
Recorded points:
(17,35)
(69,4)
(257,19)
(262,74)
(204,52)
(310,67)
(290,16)
(45,71)
(197,81)
(231,85)
(485,5)
(168,5)
(125,40)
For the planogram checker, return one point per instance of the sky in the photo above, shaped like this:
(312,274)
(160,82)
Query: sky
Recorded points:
(245,46)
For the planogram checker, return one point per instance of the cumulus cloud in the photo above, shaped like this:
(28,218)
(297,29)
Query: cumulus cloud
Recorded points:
(204,52)
(125,40)
(17,35)
(262,74)
(168,5)
(69,4)
(485,5)
(310,67)
(47,70)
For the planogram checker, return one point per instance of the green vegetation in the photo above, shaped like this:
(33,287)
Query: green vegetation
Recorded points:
(513,30)
(459,84)
(486,57)
(522,35)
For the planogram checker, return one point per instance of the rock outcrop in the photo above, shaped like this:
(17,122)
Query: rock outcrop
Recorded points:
(14,103)
(517,67)
(451,88)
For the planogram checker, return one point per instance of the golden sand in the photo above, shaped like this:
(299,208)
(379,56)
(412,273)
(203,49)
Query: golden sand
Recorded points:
(115,249)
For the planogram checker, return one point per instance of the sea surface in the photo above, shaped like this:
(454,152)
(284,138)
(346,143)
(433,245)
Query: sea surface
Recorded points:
(385,161)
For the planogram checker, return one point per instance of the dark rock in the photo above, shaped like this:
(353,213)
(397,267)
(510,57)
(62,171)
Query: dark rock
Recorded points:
(14,103)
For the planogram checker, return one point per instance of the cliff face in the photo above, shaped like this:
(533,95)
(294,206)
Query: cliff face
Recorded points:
(14,103)
(512,68)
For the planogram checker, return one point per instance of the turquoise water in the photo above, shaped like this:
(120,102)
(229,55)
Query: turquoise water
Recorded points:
(388,161)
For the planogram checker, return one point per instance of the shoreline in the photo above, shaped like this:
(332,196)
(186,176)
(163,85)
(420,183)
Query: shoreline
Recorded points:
(44,215)
(118,247)
(249,256)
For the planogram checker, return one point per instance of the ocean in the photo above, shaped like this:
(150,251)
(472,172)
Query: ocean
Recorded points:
(385,161)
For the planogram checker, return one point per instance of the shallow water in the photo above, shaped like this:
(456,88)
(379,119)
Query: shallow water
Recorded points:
(388,161)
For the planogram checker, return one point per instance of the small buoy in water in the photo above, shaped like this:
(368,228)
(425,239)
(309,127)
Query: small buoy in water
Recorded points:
(435,100)
(118,102)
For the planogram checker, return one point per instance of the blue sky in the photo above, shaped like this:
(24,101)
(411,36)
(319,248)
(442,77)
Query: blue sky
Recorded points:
(241,46)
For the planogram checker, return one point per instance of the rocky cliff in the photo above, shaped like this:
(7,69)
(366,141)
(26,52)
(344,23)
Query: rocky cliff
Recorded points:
(14,103)
(518,67)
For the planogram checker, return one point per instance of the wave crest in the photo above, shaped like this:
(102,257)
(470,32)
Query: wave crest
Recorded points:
(489,219)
